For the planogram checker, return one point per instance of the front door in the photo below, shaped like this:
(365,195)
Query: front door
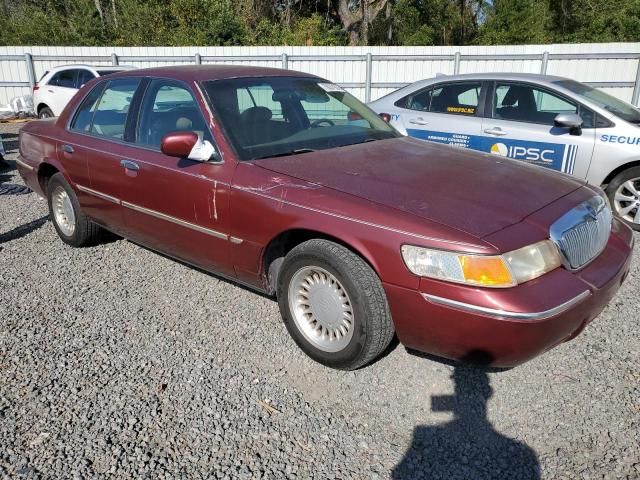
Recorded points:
(446,113)
(173,205)
(521,126)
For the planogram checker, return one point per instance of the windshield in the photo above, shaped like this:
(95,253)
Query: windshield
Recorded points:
(621,109)
(275,116)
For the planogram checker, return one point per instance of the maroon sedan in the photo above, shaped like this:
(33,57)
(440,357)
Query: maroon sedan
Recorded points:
(284,182)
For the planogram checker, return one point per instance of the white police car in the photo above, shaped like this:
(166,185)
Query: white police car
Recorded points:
(544,120)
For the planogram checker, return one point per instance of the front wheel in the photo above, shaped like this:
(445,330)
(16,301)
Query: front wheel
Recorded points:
(333,305)
(624,194)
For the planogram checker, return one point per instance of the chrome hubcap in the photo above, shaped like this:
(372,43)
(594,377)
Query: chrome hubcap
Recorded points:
(321,309)
(63,212)
(627,200)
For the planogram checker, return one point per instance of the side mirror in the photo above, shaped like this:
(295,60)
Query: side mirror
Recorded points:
(572,121)
(187,145)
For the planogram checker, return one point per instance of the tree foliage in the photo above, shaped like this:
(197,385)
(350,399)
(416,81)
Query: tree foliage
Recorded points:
(316,22)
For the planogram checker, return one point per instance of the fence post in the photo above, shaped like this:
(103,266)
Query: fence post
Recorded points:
(636,89)
(114,59)
(285,61)
(197,59)
(456,63)
(367,86)
(545,63)
(28,60)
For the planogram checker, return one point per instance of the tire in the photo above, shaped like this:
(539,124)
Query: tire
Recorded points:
(619,189)
(339,285)
(45,112)
(72,225)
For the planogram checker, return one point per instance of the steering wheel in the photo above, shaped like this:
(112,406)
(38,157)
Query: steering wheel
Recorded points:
(317,123)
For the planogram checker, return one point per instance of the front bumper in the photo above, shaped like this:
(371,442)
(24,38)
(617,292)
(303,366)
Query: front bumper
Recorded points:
(507,327)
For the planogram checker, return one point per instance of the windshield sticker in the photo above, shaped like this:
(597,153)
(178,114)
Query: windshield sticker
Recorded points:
(331,87)
(557,156)
(464,110)
(620,139)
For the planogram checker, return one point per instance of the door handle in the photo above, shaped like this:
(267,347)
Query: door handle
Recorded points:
(50,91)
(67,148)
(129,165)
(495,131)
(418,121)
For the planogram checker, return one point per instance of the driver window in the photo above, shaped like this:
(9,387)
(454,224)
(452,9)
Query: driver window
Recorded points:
(524,103)
(169,106)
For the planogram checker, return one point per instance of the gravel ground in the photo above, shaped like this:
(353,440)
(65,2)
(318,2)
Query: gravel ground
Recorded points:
(117,362)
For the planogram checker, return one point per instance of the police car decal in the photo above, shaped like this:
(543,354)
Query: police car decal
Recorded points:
(620,139)
(556,156)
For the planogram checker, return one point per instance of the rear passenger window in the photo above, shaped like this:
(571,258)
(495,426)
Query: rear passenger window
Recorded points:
(110,117)
(454,98)
(169,106)
(84,114)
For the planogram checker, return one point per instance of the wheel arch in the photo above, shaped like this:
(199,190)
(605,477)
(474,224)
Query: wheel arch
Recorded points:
(278,247)
(620,169)
(42,105)
(45,172)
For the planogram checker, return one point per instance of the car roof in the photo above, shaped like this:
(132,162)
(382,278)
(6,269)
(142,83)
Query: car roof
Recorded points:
(211,72)
(536,77)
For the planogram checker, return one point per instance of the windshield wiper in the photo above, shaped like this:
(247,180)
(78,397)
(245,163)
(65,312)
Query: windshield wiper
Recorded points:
(297,151)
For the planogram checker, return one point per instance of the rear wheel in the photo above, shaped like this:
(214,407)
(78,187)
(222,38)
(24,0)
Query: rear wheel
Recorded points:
(45,112)
(333,305)
(624,194)
(73,227)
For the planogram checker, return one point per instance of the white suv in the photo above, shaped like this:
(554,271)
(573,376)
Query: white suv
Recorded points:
(58,86)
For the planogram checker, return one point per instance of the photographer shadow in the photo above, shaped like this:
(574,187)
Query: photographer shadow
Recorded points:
(467,447)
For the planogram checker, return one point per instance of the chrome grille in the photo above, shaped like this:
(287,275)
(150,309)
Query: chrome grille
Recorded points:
(582,233)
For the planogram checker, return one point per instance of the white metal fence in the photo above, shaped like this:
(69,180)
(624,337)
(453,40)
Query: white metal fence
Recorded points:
(367,72)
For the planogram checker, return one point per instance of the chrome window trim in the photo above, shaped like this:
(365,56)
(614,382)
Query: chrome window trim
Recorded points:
(505,314)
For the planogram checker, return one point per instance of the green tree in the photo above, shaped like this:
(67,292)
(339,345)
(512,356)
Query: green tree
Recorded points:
(596,20)
(510,22)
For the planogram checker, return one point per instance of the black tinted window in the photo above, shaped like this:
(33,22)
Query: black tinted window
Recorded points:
(84,76)
(64,78)
(169,107)
(110,117)
(453,98)
(84,114)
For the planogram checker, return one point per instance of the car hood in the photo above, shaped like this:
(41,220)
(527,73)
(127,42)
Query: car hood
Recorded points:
(477,193)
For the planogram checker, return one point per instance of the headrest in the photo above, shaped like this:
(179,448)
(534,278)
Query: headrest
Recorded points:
(256,114)
(183,123)
(519,95)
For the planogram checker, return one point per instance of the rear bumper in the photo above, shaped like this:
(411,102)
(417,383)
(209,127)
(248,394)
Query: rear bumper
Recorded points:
(508,327)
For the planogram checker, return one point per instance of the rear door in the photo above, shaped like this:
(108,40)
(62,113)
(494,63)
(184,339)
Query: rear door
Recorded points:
(521,126)
(175,205)
(98,139)
(61,89)
(448,113)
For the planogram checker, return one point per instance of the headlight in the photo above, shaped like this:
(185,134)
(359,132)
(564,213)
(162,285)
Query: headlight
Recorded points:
(497,271)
